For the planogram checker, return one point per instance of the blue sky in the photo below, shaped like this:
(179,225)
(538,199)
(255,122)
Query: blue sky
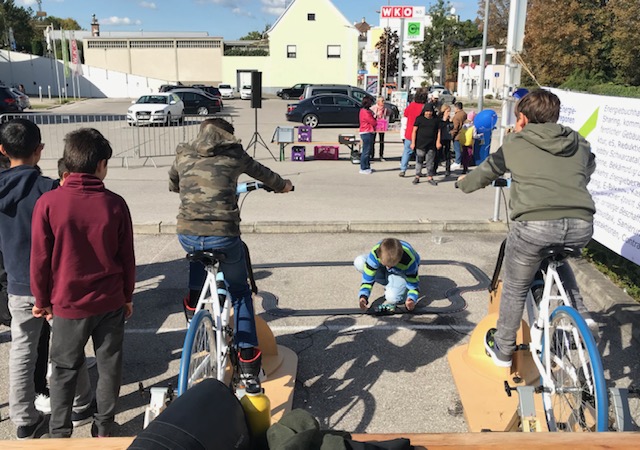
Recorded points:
(229,19)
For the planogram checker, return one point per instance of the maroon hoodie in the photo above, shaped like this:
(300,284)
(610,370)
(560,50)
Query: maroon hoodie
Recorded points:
(82,257)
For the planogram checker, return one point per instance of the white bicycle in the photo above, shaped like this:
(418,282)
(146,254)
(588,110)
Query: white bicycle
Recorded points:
(564,351)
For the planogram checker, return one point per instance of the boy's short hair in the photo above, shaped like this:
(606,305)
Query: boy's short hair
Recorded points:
(539,106)
(84,149)
(218,122)
(20,138)
(391,252)
(459,105)
(62,168)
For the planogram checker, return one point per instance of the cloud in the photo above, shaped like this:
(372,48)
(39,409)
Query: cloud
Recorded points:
(241,12)
(149,5)
(232,5)
(274,7)
(119,21)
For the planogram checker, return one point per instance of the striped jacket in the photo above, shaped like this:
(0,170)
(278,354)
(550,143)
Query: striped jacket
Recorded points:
(407,268)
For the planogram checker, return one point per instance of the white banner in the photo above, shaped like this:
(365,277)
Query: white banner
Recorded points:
(612,127)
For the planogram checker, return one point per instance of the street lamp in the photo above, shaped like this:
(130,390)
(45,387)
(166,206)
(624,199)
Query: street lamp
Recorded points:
(452,13)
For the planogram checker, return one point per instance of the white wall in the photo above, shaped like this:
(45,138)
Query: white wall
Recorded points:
(38,72)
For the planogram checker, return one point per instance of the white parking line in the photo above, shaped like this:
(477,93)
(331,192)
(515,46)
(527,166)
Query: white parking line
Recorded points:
(320,327)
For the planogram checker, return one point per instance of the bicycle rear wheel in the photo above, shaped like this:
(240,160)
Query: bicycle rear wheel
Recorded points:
(199,358)
(577,401)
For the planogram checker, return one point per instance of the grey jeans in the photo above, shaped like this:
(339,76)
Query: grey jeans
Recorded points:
(426,157)
(25,334)
(521,262)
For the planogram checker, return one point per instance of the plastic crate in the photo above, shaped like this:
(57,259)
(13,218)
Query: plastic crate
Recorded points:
(304,133)
(326,152)
(298,152)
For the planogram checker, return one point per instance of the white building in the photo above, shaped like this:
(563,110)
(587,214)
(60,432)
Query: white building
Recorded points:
(469,72)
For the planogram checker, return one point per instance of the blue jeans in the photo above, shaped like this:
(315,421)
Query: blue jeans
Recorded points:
(407,153)
(457,151)
(521,262)
(395,286)
(234,269)
(367,150)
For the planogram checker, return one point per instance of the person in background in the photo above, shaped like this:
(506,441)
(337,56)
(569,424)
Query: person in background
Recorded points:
(367,134)
(444,154)
(411,112)
(380,111)
(425,140)
(459,118)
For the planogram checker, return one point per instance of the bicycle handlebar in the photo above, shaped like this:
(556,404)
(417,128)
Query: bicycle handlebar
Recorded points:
(249,186)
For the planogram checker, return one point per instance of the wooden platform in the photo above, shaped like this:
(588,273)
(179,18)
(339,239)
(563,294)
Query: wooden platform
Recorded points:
(465,441)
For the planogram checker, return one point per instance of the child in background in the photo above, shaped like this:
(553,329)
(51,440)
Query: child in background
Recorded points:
(394,264)
(467,140)
(83,272)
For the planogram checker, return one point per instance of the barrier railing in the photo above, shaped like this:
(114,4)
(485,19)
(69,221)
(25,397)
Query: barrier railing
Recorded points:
(128,141)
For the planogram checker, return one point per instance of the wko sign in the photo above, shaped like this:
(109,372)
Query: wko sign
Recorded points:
(401,12)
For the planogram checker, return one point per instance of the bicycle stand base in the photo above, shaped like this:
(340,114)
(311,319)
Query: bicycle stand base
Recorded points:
(160,397)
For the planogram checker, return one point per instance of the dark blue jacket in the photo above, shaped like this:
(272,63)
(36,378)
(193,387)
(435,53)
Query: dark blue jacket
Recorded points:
(20,188)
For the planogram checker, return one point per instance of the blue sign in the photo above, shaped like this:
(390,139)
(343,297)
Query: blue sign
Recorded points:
(363,72)
(497,74)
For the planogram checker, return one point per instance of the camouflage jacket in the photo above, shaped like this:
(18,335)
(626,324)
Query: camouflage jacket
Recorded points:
(205,173)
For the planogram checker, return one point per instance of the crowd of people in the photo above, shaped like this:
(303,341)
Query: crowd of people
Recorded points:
(430,132)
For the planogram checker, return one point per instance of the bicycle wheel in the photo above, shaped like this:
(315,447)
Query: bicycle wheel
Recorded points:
(199,359)
(578,400)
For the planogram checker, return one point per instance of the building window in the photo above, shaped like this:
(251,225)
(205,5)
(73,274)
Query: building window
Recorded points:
(333,51)
(291,51)
(311,16)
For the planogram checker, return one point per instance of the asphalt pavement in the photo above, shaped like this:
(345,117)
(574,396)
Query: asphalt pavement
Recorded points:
(356,372)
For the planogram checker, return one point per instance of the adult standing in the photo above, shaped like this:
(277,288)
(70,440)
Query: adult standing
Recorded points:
(380,111)
(367,134)
(445,139)
(425,140)
(413,110)
(459,118)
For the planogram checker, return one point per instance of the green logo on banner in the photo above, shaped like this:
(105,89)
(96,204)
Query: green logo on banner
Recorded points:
(413,29)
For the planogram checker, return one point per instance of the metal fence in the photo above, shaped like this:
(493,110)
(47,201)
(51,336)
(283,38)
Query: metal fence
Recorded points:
(142,142)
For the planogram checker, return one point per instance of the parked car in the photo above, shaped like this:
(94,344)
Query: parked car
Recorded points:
(245,92)
(163,107)
(198,102)
(214,91)
(351,91)
(226,91)
(170,87)
(294,91)
(325,109)
(8,102)
(445,97)
(23,99)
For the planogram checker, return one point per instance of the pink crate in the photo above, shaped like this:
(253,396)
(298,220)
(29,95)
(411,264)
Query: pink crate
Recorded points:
(326,152)
(298,152)
(304,133)
(382,125)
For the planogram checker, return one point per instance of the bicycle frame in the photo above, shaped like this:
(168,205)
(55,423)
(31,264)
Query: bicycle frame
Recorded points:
(220,315)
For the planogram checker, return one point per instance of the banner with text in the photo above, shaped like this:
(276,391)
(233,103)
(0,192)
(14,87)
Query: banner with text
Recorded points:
(612,127)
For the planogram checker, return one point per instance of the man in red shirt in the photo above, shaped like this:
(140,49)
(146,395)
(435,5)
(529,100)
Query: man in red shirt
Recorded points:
(83,272)
(413,110)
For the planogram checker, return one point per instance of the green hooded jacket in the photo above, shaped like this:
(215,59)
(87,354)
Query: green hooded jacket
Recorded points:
(550,167)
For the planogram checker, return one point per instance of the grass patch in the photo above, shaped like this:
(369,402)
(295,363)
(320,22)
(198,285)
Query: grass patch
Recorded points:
(623,273)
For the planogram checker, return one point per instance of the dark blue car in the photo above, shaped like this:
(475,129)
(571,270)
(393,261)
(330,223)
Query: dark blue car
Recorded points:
(325,109)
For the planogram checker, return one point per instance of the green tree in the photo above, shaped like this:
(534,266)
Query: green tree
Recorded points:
(625,40)
(388,46)
(498,21)
(256,35)
(17,19)
(59,23)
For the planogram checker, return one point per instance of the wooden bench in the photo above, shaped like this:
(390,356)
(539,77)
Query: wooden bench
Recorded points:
(432,441)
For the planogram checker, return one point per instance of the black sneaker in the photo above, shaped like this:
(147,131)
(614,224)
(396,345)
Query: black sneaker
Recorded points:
(401,174)
(95,433)
(83,417)
(416,180)
(432,182)
(499,359)
(250,363)
(29,431)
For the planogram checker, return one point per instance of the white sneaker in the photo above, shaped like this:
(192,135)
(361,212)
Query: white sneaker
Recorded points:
(366,171)
(43,403)
(456,166)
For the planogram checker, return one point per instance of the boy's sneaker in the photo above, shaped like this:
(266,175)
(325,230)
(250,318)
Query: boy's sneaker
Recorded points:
(189,312)
(250,363)
(366,171)
(94,432)
(493,351)
(401,174)
(83,417)
(30,431)
(43,403)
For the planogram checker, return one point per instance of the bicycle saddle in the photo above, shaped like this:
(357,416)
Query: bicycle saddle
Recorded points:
(560,252)
(208,258)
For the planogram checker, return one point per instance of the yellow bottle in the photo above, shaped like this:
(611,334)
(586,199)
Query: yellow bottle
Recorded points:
(257,410)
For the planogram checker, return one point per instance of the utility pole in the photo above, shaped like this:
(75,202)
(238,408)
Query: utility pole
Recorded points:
(483,56)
